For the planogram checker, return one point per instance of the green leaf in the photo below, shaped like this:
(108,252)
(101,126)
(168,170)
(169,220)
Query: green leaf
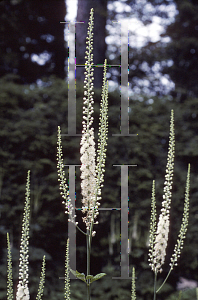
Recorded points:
(89,276)
(80,276)
(96,277)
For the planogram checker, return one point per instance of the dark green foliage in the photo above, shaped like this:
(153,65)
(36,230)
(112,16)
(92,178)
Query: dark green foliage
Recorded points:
(185,295)
(29,116)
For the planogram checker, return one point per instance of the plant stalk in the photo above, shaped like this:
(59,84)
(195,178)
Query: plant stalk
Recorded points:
(155,283)
(164,281)
(88,263)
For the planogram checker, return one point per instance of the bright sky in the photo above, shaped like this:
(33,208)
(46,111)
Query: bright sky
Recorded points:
(151,31)
(71,10)
(138,33)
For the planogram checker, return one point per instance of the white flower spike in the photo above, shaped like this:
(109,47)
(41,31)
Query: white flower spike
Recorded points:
(22,287)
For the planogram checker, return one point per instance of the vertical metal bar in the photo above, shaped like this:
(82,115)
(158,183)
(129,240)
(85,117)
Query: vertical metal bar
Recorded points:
(71,226)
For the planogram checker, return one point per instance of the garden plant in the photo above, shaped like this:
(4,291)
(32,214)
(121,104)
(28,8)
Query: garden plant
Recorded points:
(92,178)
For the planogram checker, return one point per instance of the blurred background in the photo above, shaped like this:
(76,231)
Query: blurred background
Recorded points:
(162,75)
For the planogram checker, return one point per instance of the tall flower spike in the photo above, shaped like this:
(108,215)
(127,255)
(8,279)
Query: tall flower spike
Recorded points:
(87,150)
(42,281)
(163,223)
(92,175)
(9,272)
(102,134)
(184,225)
(88,92)
(22,287)
(133,293)
(152,225)
(64,191)
(102,143)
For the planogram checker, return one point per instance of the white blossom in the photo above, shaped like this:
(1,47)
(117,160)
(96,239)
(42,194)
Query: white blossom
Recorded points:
(64,191)
(88,176)
(22,292)
(158,248)
(91,173)
(184,225)
(92,167)
(22,288)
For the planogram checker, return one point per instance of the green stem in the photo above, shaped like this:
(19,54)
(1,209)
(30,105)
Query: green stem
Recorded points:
(164,281)
(88,263)
(155,282)
(81,230)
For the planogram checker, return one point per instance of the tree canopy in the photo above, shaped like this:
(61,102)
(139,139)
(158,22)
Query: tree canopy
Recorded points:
(33,39)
